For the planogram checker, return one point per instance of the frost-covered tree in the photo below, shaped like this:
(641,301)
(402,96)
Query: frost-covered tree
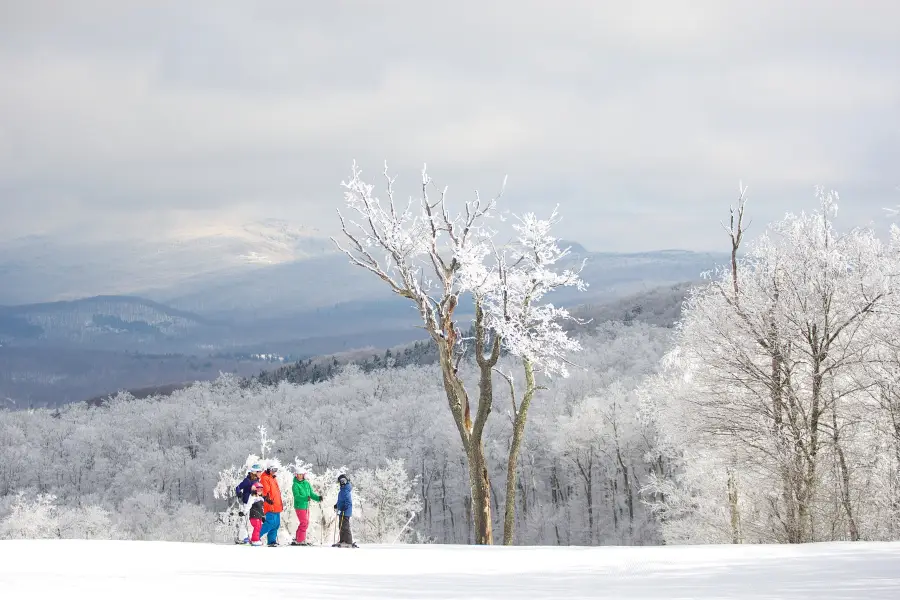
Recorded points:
(390,502)
(86,523)
(526,271)
(435,260)
(770,352)
(41,517)
(31,518)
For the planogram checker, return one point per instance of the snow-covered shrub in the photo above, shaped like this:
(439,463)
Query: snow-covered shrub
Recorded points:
(142,516)
(191,523)
(86,523)
(386,503)
(31,517)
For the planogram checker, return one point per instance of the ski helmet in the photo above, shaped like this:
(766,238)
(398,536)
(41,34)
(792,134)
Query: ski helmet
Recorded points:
(256,486)
(256,469)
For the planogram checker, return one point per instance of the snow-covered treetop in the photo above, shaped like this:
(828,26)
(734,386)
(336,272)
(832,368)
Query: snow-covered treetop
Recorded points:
(396,243)
(524,272)
(426,254)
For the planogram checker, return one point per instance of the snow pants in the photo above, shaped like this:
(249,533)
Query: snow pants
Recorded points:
(346,535)
(257,526)
(270,527)
(303,517)
(242,529)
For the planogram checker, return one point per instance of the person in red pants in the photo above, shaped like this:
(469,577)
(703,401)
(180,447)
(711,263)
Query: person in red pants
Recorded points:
(257,512)
(303,492)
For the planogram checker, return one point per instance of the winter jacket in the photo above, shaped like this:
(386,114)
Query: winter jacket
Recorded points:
(345,500)
(242,491)
(257,510)
(272,492)
(302,493)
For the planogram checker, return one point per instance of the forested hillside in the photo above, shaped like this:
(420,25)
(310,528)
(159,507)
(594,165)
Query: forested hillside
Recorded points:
(164,454)
(659,307)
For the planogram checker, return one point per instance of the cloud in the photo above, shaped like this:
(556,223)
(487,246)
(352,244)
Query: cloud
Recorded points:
(638,119)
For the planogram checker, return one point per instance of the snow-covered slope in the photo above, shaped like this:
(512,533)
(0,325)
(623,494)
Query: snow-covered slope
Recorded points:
(116,569)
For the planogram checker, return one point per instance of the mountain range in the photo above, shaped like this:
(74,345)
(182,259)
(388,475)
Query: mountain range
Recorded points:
(42,268)
(86,320)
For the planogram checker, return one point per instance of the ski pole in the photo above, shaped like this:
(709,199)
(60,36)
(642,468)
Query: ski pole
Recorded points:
(402,529)
(335,533)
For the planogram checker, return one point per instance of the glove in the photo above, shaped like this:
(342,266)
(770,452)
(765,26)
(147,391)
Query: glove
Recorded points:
(240,513)
(268,500)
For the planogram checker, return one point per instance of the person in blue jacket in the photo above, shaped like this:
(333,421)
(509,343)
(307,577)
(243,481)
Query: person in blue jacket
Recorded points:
(344,510)
(242,491)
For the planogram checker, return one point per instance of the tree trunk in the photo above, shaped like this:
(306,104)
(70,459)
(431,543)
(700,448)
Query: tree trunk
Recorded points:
(845,480)
(469,522)
(586,471)
(426,508)
(481,495)
(733,507)
(806,524)
(518,434)
(471,432)
(895,496)
(524,491)
(626,485)
(612,486)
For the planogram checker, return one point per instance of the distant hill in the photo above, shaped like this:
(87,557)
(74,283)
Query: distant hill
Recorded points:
(54,376)
(163,374)
(659,306)
(100,322)
(326,281)
(253,319)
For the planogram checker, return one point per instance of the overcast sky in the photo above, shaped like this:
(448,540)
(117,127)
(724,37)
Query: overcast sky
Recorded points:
(638,118)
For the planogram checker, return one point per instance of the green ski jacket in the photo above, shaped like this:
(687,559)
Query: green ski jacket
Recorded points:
(302,493)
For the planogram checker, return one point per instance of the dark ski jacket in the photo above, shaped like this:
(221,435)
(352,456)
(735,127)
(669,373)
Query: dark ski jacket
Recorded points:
(256,510)
(242,491)
(345,500)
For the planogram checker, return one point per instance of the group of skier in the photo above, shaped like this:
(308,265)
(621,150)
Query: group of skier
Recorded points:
(259,502)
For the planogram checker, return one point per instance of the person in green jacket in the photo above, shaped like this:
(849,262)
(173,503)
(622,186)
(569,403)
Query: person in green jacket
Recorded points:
(303,492)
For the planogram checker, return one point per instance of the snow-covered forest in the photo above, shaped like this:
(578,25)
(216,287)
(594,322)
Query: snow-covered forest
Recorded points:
(152,464)
(771,413)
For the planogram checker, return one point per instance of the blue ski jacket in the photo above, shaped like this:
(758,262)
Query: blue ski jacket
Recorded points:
(242,491)
(345,500)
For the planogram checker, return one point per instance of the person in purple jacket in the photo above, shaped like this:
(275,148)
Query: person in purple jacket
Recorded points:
(242,491)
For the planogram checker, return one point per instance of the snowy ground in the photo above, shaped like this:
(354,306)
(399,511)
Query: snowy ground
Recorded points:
(164,571)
